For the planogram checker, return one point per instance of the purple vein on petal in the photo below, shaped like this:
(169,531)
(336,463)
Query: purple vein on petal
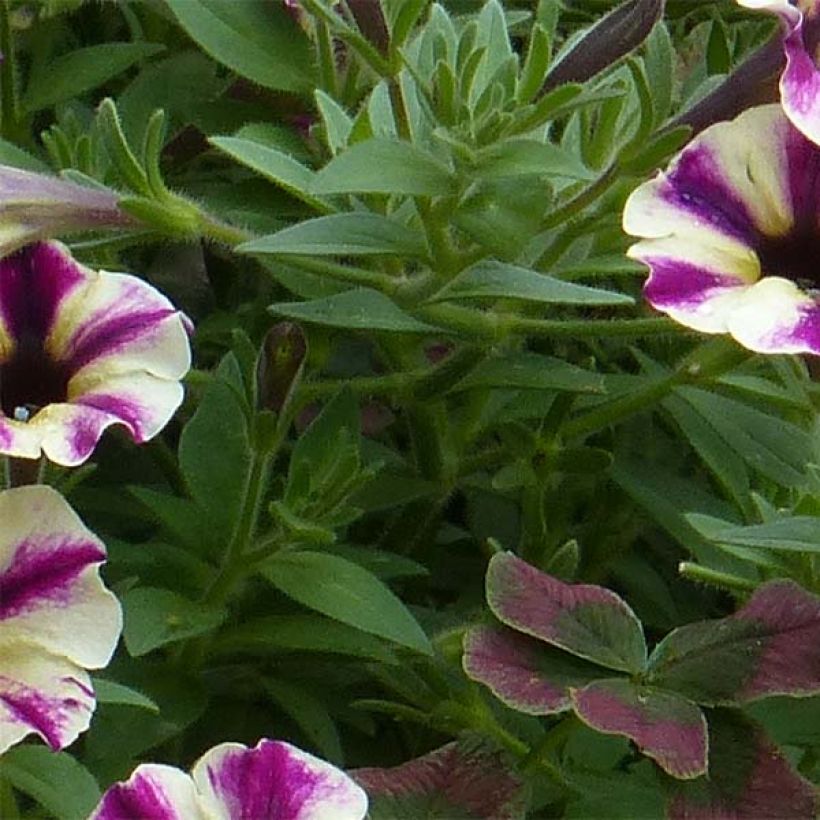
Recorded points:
(33,283)
(41,573)
(139,799)
(264,782)
(48,716)
(676,283)
(107,336)
(696,184)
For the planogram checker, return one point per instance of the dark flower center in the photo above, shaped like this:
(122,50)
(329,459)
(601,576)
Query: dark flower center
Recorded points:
(795,256)
(30,380)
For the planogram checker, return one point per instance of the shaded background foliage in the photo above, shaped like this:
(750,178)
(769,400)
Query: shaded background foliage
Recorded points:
(397,229)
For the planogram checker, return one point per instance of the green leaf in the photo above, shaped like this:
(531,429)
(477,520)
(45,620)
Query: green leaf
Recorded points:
(310,714)
(346,592)
(278,167)
(491,279)
(383,564)
(384,166)
(72,74)
(532,371)
(215,455)
(798,532)
(256,39)
(336,122)
(349,234)
(11,154)
(769,444)
(280,634)
(522,157)
(359,309)
(108,691)
(59,783)
(156,617)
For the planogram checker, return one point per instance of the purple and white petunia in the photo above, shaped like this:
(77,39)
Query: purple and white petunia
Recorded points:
(36,206)
(56,618)
(731,234)
(81,350)
(272,781)
(800,82)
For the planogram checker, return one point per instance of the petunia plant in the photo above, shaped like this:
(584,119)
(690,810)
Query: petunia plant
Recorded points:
(309,309)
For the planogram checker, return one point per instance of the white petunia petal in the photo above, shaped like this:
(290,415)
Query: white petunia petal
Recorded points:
(50,589)
(775,316)
(153,792)
(43,694)
(273,780)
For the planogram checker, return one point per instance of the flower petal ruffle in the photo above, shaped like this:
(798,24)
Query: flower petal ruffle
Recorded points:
(272,781)
(81,350)
(51,593)
(800,81)
(275,779)
(42,693)
(153,792)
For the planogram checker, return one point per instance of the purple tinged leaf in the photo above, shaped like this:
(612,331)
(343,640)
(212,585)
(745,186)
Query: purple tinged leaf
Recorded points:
(665,727)
(522,672)
(768,647)
(748,778)
(466,779)
(586,620)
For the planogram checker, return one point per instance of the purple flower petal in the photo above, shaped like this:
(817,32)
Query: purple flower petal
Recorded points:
(276,780)
(80,351)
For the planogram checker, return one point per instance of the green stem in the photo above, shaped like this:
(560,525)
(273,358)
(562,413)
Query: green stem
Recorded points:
(581,200)
(620,409)
(367,52)
(233,564)
(388,385)
(591,328)
(219,231)
(704,575)
(494,326)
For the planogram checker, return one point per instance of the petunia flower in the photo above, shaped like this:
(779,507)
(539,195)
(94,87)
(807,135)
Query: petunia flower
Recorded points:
(272,781)
(56,618)
(81,350)
(731,234)
(35,206)
(800,81)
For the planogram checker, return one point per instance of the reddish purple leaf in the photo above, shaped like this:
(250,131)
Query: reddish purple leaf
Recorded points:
(665,727)
(589,621)
(748,778)
(770,646)
(526,674)
(465,779)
